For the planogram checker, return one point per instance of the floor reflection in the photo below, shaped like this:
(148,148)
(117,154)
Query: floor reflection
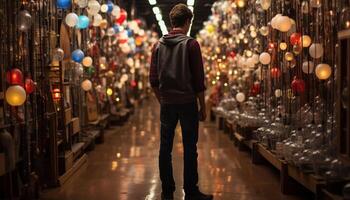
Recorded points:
(125,166)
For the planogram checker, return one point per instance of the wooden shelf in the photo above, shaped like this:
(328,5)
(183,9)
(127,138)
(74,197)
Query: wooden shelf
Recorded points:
(309,181)
(270,157)
(77,165)
(330,196)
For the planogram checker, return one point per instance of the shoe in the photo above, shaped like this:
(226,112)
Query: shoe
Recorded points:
(199,196)
(167,196)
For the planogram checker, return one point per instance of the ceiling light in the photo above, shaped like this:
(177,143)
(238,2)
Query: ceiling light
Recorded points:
(156,10)
(190,2)
(152,2)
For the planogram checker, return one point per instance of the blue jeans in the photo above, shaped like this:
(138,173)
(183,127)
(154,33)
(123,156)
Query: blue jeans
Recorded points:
(187,114)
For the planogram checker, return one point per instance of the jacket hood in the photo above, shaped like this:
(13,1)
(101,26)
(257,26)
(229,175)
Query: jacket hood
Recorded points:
(173,39)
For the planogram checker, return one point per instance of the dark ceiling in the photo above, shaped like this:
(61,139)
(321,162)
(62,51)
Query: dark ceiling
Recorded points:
(143,10)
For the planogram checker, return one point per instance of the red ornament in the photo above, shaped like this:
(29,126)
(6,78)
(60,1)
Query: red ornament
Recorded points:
(271,45)
(29,85)
(113,65)
(275,72)
(298,86)
(232,54)
(133,83)
(14,77)
(122,18)
(295,38)
(255,88)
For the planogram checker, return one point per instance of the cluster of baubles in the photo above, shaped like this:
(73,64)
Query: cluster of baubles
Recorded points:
(246,51)
(16,93)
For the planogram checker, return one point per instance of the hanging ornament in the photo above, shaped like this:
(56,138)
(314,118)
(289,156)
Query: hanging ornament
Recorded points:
(283,24)
(275,72)
(29,85)
(14,77)
(122,17)
(240,3)
(109,91)
(91,70)
(58,54)
(264,30)
(240,97)
(56,94)
(265,4)
(63,4)
(297,49)
(298,86)
(116,11)
(255,58)
(295,38)
(15,95)
(24,20)
(72,19)
(306,40)
(278,93)
(283,46)
(308,67)
(87,61)
(83,22)
(81,3)
(93,7)
(316,50)
(288,56)
(110,32)
(104,24)
(97,20)
(86,85)
(78,55)
(323,71)
(274,21)
(104,8)
(265,58)
(110,6)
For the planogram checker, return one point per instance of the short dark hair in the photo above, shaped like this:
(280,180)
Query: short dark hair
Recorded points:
(179,14)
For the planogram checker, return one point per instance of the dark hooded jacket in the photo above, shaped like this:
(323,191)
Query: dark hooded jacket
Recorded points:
(177,68)
(175,78)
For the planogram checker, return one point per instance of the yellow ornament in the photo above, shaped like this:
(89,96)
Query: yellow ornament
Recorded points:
(109,92)
(283,46)
(16,95)
(323,71)
(288,56)
(306,40)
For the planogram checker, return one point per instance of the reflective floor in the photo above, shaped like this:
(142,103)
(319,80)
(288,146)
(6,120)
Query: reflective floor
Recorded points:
(125,166)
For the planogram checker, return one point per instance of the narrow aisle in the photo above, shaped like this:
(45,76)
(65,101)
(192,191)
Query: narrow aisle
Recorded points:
(125,166)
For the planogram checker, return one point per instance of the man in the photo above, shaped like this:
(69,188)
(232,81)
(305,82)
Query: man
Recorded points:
(177,79)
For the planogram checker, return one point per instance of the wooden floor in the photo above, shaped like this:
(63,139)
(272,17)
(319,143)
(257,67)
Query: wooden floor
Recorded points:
(125,166)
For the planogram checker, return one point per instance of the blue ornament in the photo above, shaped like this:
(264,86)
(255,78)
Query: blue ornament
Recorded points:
(130,33)
(78,55)
(63,4)
(110,6)
(83,22)
(116,28)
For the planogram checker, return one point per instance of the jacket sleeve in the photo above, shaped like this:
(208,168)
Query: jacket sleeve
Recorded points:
(196,66)
(153,73)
